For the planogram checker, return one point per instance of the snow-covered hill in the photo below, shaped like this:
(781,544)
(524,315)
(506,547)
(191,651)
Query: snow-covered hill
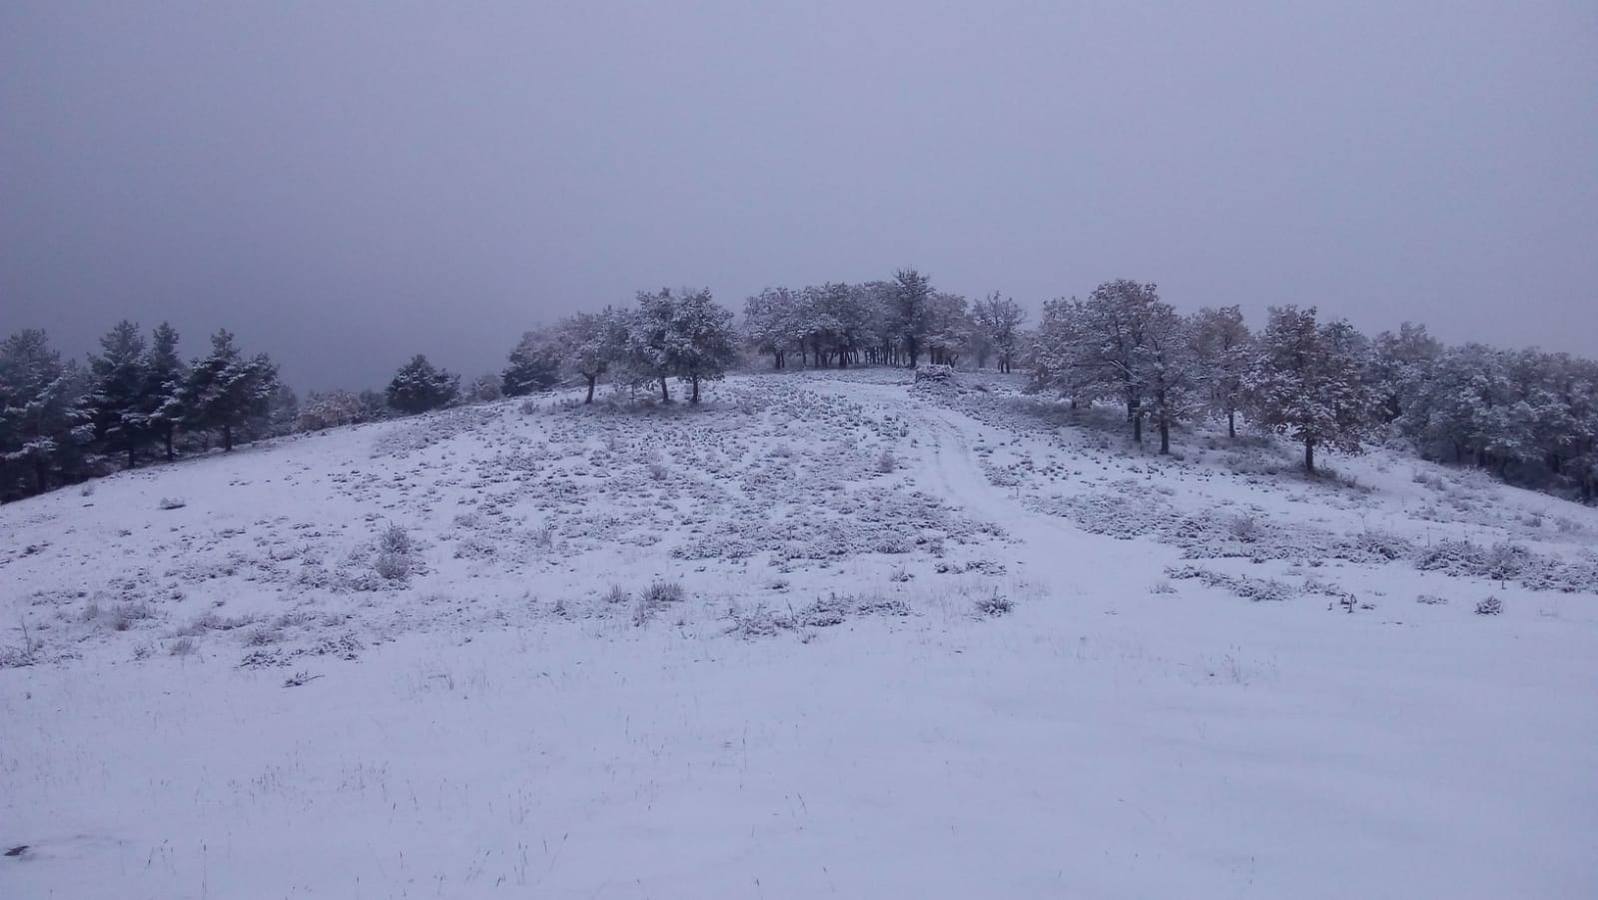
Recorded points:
(828,634)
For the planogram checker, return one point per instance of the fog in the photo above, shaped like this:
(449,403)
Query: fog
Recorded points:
(344,185)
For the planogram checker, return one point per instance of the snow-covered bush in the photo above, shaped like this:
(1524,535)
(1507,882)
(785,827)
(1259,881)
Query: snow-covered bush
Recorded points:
(1490,606)
(995,604)
(330,410)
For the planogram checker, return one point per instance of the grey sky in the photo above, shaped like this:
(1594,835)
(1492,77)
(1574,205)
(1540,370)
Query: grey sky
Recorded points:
(346,184)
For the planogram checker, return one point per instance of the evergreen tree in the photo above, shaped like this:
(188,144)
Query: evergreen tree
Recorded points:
(534,365)
(418,387)
(118,405)
(42,425)
(225,391)
(165,378)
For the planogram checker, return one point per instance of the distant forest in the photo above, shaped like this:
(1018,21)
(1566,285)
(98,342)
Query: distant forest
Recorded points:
(1527,416)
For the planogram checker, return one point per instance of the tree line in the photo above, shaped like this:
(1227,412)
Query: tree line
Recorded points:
(1528,416)
(1525,415)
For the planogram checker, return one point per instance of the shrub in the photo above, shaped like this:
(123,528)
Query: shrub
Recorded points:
(994,605)
(395,539)
(392,566)
(1491,606)
(663,592)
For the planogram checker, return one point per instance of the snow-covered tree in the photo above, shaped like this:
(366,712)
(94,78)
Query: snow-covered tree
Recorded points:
(282,412)
(998,322)
(769,323)
(910,292)
(118,405)
(42,426)
(947,329)
(1223,352)
(1399,367)
(226,390)
(1306,382)
(166,376)
(1170,372)
(330,409)
(591,343)
(486,388)
(688,337)
(418,387)
(534,365)
(1101,347)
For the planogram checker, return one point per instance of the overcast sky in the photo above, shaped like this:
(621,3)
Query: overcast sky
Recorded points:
(346,184)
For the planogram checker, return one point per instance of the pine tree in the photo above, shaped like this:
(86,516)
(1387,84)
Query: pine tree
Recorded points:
(418,387)
(225,391)
(1306,382)
(534,365)
(118,404)
(165,378)
(42,425)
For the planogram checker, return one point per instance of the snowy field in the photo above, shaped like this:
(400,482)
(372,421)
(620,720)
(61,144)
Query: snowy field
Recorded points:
(828,635)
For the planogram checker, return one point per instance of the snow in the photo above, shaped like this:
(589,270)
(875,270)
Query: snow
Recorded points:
(836,704)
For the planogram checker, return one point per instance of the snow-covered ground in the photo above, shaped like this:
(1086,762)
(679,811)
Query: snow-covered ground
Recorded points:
(829,634)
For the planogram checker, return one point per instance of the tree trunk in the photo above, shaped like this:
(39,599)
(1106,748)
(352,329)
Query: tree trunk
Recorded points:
(166,437)
(1231,423)
(133,460)
(1165,437)
(227,438)
(695,397)
(665,395)
(591,380)
(41,473)
(1135,414)
(1309,455)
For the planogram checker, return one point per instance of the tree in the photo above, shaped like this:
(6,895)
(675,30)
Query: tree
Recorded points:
(165,377)
(1399,367)
(1223,351)
(226,391)
(534,365)
(764,325)
(330,410)
(948,328)
(688,337)
(1101,347)
(1306,382)
(910,292)
(998,321)
(118,405)
(486,388)
(283,410)
(1169,371)
(591,343)
(42,425)
(418,387)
